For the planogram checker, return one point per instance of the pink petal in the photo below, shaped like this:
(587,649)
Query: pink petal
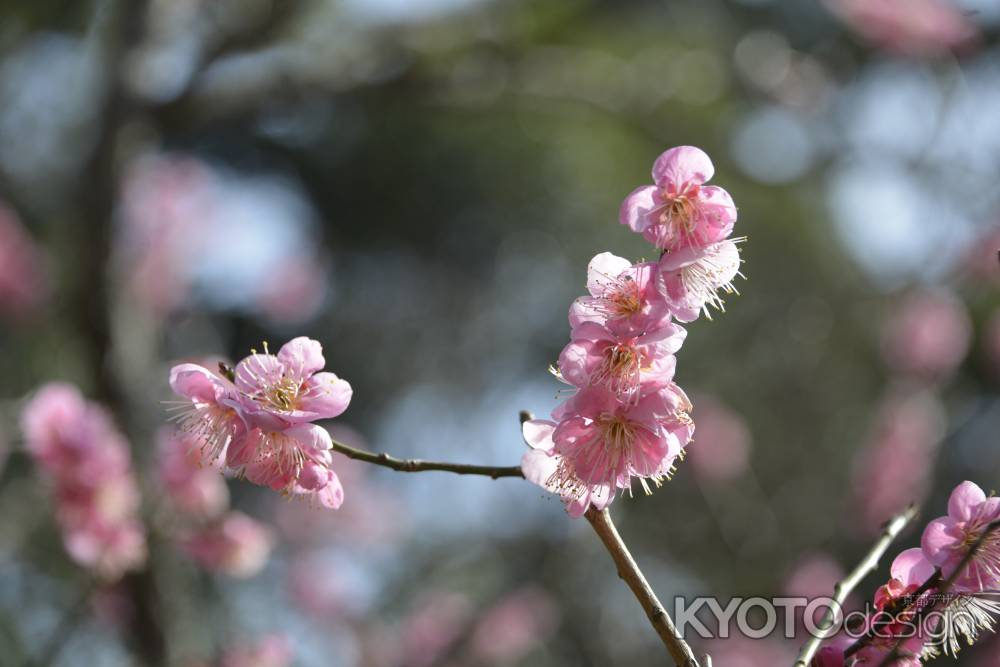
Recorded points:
(332,495)
(940,539)
(964,500)
(592,331)
(313,439)
(574,361)
(243,449)
(681,166)
(538,467)
(326,396)
(302,357)
(668,337)
(538,433)
(602,270)
(194,382)
(635,210)
(911,567)
(258,371)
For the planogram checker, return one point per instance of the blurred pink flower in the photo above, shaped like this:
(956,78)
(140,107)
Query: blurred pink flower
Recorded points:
(691,279)
(947,539)
(623,365)
(77,446)
(432,627)
(916,28)
(680,211)
(272,650)
(927,335)
(813,575)
(24,281)
(513,626)
(166,200)
(622,298)
(295,292)
(192,487)
(894,468)
(721,452)
(236,545)
(980,265)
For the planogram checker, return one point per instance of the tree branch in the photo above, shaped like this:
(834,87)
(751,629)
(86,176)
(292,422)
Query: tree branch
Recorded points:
(416,465)
(629,571)
(870,562)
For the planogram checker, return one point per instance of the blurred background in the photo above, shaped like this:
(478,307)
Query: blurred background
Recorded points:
(419,184)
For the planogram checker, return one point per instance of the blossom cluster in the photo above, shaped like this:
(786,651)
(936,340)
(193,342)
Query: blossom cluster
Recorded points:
(257,419)
(203,527)
(87,460)
(627,419)
(961,549)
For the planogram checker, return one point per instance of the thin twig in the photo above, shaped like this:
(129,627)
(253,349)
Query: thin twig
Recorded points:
(629,571)
(941,592)
(840,592)
(416,465)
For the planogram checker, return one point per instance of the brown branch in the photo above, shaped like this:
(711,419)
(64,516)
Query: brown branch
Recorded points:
(417,465)
(629,571)
(840,592)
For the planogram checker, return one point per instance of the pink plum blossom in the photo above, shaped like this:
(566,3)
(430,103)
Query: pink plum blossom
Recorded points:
(236,545)
(680,211)
(691,279)
(541,465)
(192,487)
(623,297)
(211,415)
(602,444)
(927,336)
(917,28)
(596,357)
(947,539)
(260,421)
(271,650)
(295,461)
(77,446)
(278,391)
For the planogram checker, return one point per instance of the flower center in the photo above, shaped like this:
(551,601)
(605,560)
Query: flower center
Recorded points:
(283,394)
(620,369)
(624,301)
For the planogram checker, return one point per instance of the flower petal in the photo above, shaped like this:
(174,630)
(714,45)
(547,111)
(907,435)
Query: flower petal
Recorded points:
(635,210)
(964,500)
(326,396)
(538,433)
(302,357)
(603,270)
(682,165)
(194,382)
